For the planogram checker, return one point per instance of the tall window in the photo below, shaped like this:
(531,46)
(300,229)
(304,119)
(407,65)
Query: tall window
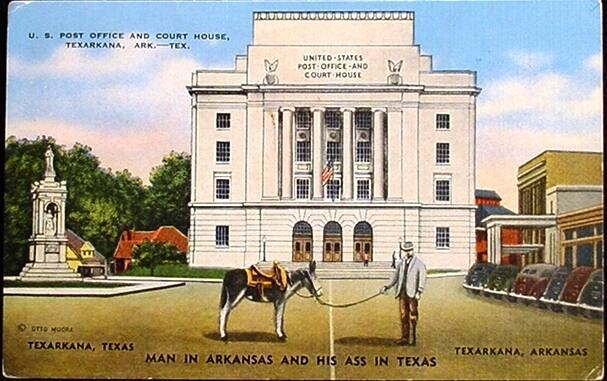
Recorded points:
(333,189)
(303,152)
(442,153)
(222,120)
(333,119)
(222,152)
(222,236)
(333,151)
(363,152)
(442,121)
(443,190)
(222,189)
(442,237)
(303,119)
(363,119)
(363,189)
(302,188)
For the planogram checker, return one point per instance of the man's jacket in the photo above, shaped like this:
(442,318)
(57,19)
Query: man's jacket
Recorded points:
(413,281)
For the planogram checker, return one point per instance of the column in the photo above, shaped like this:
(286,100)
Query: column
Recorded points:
(317,151)
(498,244)
(287,152)
(378,153)
(491,244)
(270,154)
(395,155)
(347,160)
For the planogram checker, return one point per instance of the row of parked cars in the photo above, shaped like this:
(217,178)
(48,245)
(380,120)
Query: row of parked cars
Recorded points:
(576,290)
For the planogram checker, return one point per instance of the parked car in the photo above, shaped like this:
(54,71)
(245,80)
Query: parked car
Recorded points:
(573,287)
(500,281)
(553,291)
(591,298)
(477,276)
(530,280)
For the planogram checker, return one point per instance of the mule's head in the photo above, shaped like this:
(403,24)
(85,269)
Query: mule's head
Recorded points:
(310,282)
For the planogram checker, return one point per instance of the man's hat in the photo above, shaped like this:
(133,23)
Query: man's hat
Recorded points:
(407,246)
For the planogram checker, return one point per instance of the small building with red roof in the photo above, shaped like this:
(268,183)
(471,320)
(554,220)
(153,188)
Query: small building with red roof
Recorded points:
(129,239)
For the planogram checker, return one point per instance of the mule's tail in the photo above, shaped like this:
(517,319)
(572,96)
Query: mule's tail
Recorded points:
(224,297)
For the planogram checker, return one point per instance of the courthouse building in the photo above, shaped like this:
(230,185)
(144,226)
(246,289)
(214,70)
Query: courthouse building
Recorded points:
(332,137)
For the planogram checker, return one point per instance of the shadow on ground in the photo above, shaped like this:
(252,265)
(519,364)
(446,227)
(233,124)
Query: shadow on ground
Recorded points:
(367,341)
(254,337)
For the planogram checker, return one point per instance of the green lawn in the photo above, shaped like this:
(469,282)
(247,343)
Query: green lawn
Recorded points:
(184,320)
(177,271)
(63,284)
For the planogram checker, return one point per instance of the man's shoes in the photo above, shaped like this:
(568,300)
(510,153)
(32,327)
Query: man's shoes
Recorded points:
(402,342)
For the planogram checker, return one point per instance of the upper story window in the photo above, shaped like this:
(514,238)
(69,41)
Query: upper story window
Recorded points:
(302,188)
(333,151)
(442,190)
(363,189)
(442,153)
(222,120)
(222,189)
(333,189)
(363,152)
(222,152)
(442,121)
(303,152)
(303,119)
(333,119)
(363,119)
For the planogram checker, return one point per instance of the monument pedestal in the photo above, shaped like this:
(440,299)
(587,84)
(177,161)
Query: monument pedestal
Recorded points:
(44,271)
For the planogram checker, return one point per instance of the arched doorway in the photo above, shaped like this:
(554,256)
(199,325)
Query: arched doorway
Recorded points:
(363,241)
(332,248)
(302,242)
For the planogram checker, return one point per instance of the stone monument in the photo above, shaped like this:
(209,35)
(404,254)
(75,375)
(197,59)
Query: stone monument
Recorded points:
(48,243)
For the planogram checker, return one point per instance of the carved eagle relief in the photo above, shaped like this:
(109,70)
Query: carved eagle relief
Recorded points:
(270,78)
(394,78)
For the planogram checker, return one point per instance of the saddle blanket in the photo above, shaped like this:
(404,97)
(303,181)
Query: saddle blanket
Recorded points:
(263,279)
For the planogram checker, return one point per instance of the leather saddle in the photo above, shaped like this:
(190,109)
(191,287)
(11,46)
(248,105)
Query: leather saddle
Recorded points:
(267,278)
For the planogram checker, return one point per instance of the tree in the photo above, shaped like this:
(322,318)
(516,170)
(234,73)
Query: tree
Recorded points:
(169,193)
(100,204)
(151,254)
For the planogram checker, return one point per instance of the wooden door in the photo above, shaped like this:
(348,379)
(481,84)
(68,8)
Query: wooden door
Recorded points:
(363,245)
(302,249)
(332,249)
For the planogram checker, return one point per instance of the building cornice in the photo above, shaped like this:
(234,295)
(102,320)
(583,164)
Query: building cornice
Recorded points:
(343,15)
(286,204)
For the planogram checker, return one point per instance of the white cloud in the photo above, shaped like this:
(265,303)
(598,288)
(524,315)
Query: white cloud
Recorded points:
(529,60)
(595,63)
(522,115)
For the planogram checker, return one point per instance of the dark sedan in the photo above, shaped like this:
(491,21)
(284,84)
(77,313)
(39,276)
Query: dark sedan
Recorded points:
(530,281)
(573,287)
(554,288)
(500,281)
(591,299)
(477,276)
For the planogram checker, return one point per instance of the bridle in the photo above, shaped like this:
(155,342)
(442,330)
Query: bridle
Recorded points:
(308,277)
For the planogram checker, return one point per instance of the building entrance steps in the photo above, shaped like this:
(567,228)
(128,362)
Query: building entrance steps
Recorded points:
(343,270)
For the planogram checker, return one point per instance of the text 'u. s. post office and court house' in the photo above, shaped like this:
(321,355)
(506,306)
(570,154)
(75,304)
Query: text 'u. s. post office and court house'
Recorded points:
(332,137)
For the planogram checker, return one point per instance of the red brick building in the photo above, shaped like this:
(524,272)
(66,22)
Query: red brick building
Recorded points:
(488,204)
(131,238)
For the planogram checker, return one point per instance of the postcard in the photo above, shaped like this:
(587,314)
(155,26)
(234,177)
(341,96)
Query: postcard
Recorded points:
(303,190)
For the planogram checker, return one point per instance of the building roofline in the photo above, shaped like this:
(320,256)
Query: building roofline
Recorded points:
(558,151)
(331,15)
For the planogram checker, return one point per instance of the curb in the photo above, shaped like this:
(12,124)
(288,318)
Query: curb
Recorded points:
(91,292)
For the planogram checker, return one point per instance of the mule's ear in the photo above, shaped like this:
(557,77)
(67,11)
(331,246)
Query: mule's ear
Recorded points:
(312,266)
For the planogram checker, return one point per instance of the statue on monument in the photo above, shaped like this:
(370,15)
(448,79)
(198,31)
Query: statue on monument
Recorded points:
(50,215)
(50,167)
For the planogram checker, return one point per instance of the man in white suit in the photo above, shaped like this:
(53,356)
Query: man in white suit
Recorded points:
(409,279)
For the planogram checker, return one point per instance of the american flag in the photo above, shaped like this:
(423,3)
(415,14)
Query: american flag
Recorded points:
(327,172)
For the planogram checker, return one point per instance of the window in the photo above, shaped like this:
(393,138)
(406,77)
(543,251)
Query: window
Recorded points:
(442,237)
(302,188)
(363,152)
(585,231)
(303,152)
(333,189)
(222,120)
(222,189)
(442,153)
(303,119)
(222,236)
(333,151)
(333,119)
(443,190)
(363,189)
(222,152)
(363,119)
(442,121)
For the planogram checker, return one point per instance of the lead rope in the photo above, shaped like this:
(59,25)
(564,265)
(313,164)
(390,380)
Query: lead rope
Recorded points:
(344,305)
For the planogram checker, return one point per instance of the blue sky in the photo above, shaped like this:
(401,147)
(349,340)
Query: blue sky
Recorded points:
(537,62)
